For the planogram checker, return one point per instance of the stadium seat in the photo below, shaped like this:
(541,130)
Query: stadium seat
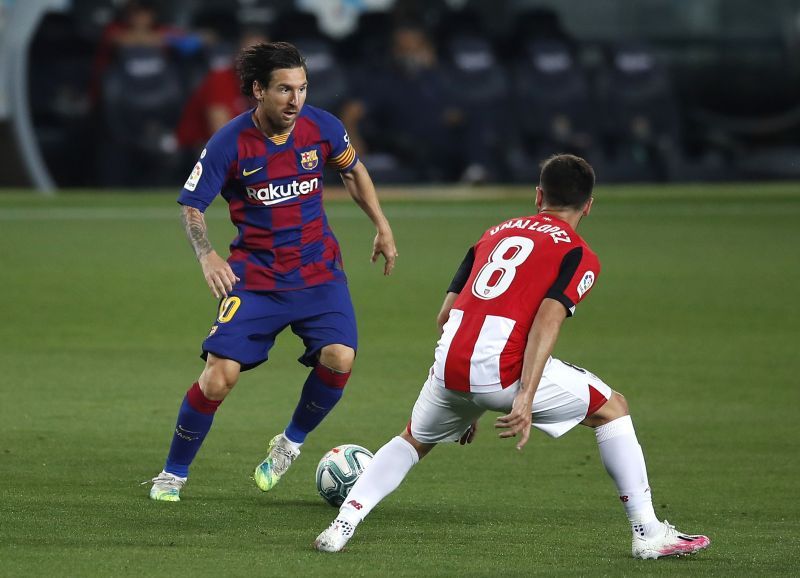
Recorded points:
(218,30)
(368,47)
(552,104)
(481,87)
(142,97)
(475,73)
(639,115)
(59,99)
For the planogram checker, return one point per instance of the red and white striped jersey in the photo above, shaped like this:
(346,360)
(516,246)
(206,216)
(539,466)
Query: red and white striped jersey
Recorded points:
(517,265)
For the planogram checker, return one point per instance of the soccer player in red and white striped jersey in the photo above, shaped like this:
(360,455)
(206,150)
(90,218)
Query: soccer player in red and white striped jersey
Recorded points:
(500,321)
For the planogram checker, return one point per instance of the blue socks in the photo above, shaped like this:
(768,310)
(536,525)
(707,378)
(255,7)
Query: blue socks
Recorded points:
(194,420)
(322,390)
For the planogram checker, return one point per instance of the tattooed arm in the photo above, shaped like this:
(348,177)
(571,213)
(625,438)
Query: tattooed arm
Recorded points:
(218,273)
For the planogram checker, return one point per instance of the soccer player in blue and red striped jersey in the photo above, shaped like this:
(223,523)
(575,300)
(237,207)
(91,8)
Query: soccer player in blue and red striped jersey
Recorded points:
(285,266)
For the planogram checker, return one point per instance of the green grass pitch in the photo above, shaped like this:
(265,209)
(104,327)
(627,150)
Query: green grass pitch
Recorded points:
(695,319)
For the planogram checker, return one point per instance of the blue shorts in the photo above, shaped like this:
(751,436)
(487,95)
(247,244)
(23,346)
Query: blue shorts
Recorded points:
(248,322)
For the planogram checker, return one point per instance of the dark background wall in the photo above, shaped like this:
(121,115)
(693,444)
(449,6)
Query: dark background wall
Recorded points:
(648,90)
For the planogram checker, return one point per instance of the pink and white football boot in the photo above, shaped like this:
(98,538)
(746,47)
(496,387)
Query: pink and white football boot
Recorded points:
(668,542)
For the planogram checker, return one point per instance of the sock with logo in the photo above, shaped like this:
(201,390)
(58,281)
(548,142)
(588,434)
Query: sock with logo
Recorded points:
(624,461)
(387,470)
(194,420)
(321,392)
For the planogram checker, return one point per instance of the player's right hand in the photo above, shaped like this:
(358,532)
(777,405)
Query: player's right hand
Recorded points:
(218,274)
(518,421)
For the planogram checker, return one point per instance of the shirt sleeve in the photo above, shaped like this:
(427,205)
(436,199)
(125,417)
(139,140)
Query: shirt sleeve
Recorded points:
(576,276)
(343,156)
(461,276)
(209,173)
(223,90)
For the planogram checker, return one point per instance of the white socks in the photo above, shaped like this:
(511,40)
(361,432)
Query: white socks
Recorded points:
(389,467)
(294,446)
(622,456)
(619,450)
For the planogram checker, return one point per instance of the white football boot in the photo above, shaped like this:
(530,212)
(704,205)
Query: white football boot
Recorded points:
(166,487)
(279,457)
(335,537)
(668,542)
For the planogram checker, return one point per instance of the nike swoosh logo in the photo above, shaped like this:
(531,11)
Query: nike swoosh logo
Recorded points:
(246,173)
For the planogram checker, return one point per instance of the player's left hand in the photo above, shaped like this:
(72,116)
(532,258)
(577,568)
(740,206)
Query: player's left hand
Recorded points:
(469,435)
(384,245)
(518,421)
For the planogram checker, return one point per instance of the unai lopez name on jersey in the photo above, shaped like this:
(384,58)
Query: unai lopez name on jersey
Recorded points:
(558,234)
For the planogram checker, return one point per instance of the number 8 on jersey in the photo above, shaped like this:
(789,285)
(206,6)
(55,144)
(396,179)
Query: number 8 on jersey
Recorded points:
(488,284)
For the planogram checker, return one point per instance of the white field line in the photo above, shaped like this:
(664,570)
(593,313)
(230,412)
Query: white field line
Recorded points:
(458,211)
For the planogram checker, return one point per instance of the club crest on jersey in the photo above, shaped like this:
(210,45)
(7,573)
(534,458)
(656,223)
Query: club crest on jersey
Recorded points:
(586,283)
(309,159)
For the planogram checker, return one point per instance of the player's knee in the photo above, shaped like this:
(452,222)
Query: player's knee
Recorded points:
(423,449)
(615,408)
(337,357)
(214,385)
(621,403)
(218,377)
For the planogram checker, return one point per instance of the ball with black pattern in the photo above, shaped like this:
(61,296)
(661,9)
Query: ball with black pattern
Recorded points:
(338,471)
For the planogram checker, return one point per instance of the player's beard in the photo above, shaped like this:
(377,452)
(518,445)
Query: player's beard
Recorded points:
(288,117)
(277,122)
(283,123)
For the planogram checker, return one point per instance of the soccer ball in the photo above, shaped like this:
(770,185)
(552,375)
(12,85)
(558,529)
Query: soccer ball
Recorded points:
(338,471)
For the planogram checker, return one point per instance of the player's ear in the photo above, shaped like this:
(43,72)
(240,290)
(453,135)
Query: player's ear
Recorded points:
(539,197)
(258,91)
(587,208)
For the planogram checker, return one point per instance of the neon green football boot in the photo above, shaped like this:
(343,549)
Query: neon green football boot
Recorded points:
(279,457)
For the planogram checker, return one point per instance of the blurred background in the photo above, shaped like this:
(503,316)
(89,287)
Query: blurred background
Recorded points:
(113,94)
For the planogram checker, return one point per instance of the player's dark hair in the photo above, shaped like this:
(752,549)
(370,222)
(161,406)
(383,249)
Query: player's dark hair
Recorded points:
(258,61)
(566,181)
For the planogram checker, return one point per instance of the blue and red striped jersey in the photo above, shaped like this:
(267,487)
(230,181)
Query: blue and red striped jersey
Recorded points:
(273,186)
